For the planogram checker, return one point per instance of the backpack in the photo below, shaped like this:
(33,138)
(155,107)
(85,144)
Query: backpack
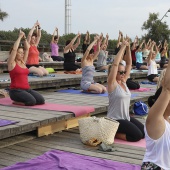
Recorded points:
(140,108)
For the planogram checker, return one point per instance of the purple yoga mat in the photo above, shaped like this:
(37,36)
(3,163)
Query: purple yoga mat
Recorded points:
(4,122)
(61,160)
(77,110)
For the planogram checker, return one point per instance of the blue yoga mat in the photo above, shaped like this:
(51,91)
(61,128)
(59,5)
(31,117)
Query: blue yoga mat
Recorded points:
(4,122)
(148,82)
(80,92)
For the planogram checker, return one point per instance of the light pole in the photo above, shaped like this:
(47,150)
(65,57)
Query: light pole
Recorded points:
(165,15)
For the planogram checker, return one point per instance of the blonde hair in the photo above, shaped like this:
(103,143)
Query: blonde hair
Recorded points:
(159,84)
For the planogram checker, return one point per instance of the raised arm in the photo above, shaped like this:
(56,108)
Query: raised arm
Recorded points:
(155,123)
(12,56)
(113,72)
(89,48)
(119,39)
(151,53)
(128,60)
(140,46)
(38,34)
(26,49)
(55,33)
(31,32)
(77,43)
(66,48)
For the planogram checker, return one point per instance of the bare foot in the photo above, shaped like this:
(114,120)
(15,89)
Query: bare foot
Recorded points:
(18,103)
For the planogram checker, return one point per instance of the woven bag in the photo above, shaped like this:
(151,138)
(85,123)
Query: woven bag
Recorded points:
(103,129)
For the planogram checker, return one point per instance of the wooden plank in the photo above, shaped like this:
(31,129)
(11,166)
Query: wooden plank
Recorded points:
(59,126)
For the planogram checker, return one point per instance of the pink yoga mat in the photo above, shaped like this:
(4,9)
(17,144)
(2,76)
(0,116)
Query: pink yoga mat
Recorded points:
(141,143)
(77,110)
(141,89)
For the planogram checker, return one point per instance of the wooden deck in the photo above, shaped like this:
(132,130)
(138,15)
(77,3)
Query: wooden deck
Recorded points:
(33,119)
(20,148)
(25,147)
(61,80)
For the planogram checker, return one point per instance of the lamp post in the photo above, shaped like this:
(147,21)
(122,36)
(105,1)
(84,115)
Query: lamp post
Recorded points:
(165,15)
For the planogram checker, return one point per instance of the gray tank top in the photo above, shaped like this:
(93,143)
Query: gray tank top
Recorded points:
(119,102)
(101,59)
(87,74)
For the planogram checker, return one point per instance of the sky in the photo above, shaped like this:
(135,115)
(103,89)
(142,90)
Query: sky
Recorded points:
(96,16)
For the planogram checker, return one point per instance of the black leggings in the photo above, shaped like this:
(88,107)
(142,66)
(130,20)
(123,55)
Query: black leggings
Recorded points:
(57,58)
(28,97)
(133,129)
(71,66)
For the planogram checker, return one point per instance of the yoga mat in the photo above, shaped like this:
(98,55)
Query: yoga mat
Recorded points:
(77,110)
(141,143)
(61,160)
(72,91)
(4,122)
(148,82)
(141,89)
(33,75)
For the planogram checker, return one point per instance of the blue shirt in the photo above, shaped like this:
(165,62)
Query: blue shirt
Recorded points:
(139,58)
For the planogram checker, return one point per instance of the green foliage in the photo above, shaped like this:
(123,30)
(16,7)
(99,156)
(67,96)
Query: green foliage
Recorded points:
(8,38)
(156,30)
(3,15)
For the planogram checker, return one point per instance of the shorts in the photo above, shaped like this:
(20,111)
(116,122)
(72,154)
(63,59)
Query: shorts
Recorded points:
(138,65)
(151,77)
(149,165)
(85,85)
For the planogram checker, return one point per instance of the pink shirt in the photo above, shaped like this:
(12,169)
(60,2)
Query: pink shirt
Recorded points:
(54,49)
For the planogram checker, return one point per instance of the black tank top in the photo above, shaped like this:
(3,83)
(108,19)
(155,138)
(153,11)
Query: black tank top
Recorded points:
(69,57)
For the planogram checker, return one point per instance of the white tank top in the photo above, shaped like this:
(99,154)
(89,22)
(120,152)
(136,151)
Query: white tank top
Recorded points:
(158,151)
(152,68)
(119,101)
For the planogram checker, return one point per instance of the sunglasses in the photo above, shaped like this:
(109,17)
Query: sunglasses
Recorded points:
(122,72)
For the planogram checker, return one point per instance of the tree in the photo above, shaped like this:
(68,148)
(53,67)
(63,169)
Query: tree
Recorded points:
(156,30)
(3,15)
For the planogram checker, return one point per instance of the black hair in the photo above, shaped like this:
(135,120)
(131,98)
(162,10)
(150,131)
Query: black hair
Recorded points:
(55,37)
(68,42)
(152,99)
(161,49)
(91,51)
(34,34)
(137,47)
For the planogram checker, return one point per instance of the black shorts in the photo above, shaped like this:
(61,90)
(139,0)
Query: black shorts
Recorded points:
(151,77)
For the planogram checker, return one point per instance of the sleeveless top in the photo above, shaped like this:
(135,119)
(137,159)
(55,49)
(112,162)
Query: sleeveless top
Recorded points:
(163,60)
(33,55)
(19,78)
(152,68)
(101,59)
(54,49)
(139,58)
(87,74)
(119,102)
(158,151)
(69,57)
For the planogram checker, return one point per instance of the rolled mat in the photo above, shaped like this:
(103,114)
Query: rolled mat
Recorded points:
(60,160)
(77,110)
(4,122)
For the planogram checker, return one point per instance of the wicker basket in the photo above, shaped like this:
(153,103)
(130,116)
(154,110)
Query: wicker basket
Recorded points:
(103,129)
